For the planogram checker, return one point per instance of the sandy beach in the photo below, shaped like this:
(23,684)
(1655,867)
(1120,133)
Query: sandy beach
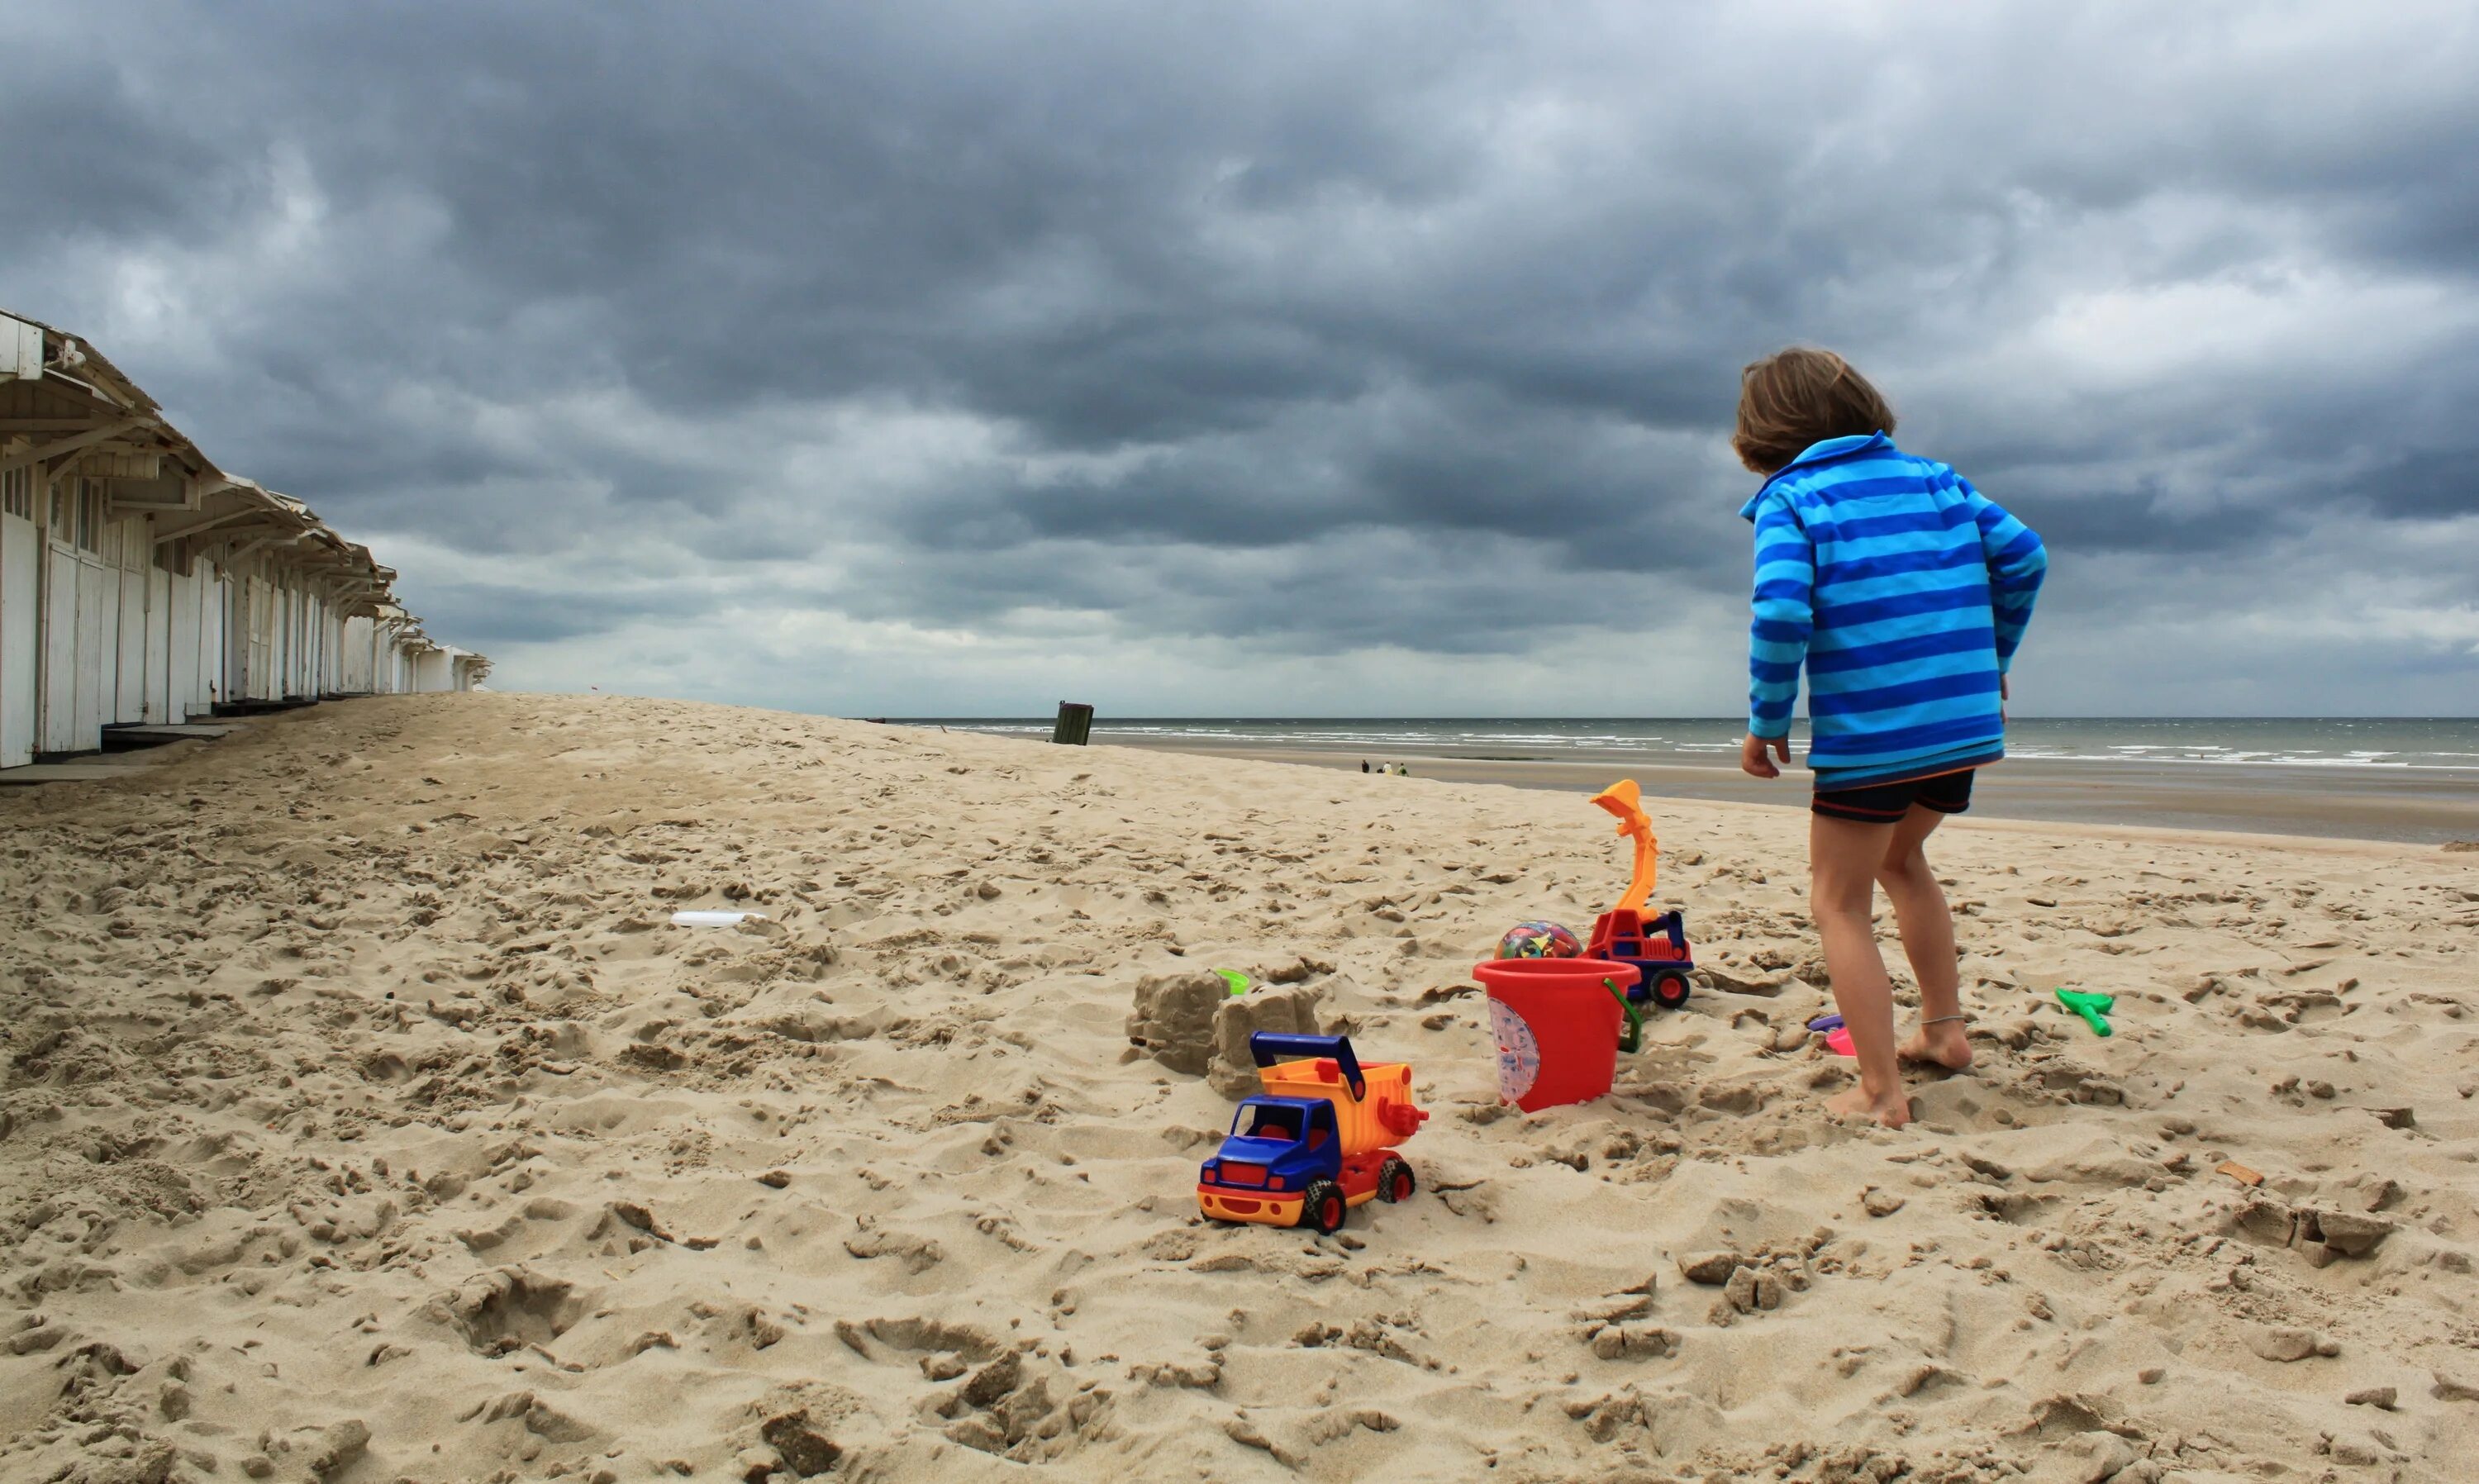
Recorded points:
(366,1119)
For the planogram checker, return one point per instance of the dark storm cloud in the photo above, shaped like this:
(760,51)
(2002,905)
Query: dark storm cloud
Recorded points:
(127,169)
(2099,522)
(1450,464)
(1297,328)
(2425,482)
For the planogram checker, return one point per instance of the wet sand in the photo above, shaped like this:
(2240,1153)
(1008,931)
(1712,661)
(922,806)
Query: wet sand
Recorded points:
(2427,807)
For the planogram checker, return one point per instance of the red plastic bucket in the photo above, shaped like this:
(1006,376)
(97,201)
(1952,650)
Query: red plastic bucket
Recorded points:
(1557,1026)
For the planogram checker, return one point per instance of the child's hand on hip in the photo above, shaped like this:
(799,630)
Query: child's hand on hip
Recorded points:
(1752,760)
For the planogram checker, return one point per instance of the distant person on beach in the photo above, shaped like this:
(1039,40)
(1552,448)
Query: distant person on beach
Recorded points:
(1905,593)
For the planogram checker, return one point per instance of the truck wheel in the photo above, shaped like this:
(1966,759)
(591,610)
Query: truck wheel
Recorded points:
(1395,1182)
(1322,1207)
(1670,990)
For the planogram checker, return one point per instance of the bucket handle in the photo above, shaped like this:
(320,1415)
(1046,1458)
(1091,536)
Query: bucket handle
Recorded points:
(1633,1035)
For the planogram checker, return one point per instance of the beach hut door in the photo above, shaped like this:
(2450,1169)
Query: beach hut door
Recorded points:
(60,727)
(21,556)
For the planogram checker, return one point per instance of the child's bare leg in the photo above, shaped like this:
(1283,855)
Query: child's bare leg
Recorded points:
(1927,926)
(1843,858)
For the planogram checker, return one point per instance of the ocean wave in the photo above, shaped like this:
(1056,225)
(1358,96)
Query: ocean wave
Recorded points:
(2414,745)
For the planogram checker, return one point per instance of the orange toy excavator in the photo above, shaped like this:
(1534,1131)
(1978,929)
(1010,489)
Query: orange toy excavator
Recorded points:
(1657,946)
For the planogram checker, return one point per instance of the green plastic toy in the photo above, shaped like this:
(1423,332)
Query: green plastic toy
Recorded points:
(1239,983)
(2093,1007)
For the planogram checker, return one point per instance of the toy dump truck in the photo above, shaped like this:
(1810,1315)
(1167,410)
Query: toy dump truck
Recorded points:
(1317,1142)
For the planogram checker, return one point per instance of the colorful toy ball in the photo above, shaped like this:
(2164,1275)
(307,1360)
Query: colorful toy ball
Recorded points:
(1539,940)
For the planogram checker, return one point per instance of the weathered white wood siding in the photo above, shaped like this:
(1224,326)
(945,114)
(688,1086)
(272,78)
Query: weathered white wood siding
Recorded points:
(181,644)
(215,610)
(58,731)
(158,703)
(125,547)
(21,575)
(357,656)
(258,627)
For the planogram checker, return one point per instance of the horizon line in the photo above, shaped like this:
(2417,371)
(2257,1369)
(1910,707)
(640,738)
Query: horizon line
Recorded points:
(2207,716)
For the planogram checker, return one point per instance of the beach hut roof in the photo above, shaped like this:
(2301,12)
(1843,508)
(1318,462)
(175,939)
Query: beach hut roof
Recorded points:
(62,399)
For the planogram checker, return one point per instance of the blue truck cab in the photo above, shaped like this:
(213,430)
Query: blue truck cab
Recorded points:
(1278,1147)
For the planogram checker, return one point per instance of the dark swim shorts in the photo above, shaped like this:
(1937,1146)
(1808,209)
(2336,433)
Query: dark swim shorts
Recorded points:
(1882,804)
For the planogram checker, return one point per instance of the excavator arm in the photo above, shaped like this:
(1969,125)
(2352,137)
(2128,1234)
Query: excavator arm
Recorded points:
(1626,801)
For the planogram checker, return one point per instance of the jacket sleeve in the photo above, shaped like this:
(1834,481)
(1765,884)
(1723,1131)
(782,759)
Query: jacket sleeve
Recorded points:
(1784,616)
(2017,565)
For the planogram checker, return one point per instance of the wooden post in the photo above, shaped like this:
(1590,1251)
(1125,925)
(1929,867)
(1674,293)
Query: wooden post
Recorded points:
(1075,724)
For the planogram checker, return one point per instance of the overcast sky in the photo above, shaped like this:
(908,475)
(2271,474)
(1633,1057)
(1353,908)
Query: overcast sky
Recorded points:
(1305,358)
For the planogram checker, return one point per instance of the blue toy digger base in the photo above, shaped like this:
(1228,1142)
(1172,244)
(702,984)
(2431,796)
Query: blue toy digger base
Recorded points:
(1654,947)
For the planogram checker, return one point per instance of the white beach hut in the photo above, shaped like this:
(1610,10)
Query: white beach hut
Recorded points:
(434,668)
(140,584)
(86,464)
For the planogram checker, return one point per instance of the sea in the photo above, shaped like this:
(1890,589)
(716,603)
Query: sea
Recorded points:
(2350,742)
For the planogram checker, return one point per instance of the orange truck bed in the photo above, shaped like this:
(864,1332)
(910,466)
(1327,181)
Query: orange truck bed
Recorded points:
(1380,1113)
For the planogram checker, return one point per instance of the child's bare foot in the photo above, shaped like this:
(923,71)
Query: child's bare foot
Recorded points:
(1942,1043)
(1892,1111)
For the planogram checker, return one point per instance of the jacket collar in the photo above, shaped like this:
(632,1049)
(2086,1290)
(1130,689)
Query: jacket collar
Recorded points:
(1817,453)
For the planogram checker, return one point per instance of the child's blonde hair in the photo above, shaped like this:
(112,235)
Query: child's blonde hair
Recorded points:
(1800,397)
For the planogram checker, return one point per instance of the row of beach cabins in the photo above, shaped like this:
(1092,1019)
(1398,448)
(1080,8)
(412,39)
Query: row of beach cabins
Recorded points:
(141,586)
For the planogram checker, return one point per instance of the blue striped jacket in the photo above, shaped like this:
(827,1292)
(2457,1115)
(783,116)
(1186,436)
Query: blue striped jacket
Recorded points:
(1905,592)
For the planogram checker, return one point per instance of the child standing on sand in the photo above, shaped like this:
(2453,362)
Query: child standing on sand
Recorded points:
(1904,592)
